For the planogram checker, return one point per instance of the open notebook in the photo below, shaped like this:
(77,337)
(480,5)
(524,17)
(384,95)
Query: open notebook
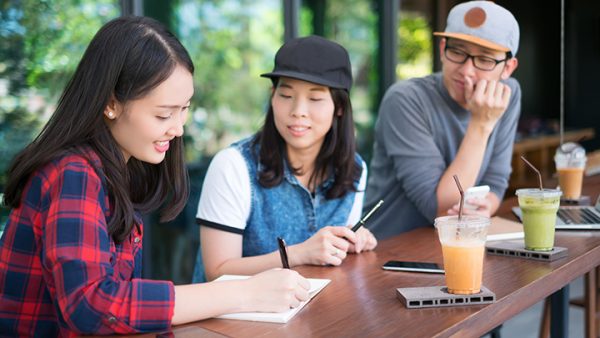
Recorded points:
(316,285)
(504,229)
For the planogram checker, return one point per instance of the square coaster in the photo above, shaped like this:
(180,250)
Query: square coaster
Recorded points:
(583,200)
(438,296)
(517,249)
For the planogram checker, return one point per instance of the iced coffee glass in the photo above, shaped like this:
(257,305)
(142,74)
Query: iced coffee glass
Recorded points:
(539,209)
(570,161)
(463,245)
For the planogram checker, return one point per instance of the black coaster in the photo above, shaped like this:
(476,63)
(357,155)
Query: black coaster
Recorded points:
(517,249)
(437,296)
(583,200)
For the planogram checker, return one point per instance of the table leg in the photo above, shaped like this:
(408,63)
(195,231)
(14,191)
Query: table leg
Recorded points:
(559,313)
(591,289)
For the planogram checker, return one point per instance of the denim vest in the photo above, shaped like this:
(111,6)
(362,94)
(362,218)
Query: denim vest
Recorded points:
(287,210)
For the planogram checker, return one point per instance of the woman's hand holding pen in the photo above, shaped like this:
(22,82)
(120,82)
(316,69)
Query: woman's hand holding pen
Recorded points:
(276,290)
(328,246)
(365,241)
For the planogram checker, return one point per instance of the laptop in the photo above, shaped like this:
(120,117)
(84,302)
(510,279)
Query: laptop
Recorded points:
(574,217)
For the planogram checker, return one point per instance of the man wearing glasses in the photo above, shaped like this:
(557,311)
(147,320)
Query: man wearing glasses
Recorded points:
(461,121)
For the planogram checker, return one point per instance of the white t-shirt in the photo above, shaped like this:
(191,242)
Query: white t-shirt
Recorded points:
(227,187)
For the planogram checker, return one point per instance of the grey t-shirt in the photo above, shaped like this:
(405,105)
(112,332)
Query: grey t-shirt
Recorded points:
(417,135)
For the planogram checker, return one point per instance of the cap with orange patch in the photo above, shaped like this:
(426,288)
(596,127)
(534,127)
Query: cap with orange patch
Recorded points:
(483,23)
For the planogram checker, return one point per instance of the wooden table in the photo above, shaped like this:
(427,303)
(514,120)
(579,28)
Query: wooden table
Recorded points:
(560,299)
(361,298)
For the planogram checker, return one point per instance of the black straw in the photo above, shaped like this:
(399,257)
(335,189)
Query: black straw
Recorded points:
(536,170)
(462,197)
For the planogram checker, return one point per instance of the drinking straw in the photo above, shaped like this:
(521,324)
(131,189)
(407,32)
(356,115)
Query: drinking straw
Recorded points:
(462,197)
(536,170)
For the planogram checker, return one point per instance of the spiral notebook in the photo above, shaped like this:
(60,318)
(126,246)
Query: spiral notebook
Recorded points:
(504,229)
(316,285)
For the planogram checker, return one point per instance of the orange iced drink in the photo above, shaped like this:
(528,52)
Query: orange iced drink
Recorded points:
(570,181)
(570,162)
(463,263)
(463,245)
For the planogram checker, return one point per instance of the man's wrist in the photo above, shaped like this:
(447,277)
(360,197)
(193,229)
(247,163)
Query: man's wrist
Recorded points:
(480,129)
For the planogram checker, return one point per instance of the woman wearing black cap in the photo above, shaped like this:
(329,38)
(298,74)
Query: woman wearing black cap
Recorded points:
(298,178)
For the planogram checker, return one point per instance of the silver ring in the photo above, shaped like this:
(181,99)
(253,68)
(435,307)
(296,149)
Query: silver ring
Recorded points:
(337,253)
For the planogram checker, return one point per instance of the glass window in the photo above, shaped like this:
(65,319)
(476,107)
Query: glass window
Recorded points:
(415,43)
(231,43)
(41,43)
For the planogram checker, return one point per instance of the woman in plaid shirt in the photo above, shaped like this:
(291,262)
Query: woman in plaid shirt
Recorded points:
(70,256)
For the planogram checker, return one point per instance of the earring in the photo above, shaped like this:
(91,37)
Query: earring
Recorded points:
(111,115)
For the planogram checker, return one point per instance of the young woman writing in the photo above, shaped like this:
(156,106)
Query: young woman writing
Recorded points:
(70,256)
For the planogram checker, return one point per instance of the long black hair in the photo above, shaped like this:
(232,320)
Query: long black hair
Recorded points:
(336,156)
(126,59)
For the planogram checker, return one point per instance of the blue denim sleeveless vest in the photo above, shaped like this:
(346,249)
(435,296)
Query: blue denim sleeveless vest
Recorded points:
(288,210)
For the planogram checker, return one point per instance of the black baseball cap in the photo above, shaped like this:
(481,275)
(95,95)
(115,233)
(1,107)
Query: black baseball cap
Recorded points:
(313,59)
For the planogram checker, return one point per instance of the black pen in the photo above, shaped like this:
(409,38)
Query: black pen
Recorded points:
(367,216)
(283,253)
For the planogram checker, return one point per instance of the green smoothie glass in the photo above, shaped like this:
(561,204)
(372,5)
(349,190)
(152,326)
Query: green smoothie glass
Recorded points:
(539,209)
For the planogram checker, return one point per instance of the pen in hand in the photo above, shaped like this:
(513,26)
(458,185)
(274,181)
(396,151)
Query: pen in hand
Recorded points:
(283,253)
(367,216)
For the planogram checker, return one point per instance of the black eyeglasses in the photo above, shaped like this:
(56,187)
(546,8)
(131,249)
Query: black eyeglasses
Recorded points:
(479,61)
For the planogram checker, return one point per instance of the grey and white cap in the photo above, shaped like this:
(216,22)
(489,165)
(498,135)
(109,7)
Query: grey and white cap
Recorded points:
(483,23)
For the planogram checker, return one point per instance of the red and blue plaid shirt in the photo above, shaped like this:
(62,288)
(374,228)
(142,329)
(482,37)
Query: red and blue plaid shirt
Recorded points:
(61,273)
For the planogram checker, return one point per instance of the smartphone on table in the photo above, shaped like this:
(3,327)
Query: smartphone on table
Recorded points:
(413,266)
(478,192)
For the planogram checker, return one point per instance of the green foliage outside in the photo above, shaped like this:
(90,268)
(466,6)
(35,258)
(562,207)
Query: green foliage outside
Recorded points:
(41,43)
(415,46)
(231,43)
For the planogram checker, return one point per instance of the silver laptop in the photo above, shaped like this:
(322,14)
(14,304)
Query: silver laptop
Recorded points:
(575,217)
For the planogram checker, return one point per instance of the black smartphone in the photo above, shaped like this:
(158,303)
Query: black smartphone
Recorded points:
(413,266)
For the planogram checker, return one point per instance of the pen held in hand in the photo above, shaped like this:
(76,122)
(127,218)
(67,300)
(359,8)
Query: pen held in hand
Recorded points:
(367,216)
(283,253)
